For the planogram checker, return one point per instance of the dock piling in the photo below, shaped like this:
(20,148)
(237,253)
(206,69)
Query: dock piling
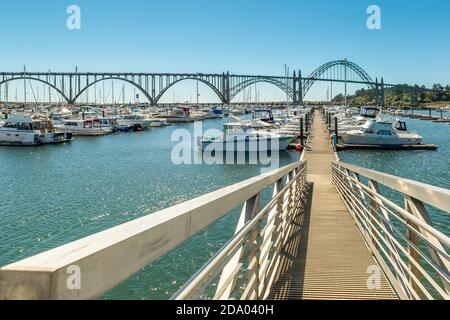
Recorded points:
(301,132)
(336,135)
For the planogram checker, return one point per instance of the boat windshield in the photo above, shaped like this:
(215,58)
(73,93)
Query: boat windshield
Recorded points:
(42,125)
(401,126)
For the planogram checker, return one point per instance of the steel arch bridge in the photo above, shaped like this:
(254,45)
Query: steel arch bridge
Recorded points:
(71,86)
(342,70)
(239,83)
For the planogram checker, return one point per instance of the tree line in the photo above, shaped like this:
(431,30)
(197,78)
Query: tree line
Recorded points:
(401,95)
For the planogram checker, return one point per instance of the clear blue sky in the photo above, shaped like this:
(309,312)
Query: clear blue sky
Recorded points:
(241,36)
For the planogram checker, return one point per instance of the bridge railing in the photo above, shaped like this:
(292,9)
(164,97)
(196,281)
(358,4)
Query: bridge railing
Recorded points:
(245,267)
(412,253)
(89,267)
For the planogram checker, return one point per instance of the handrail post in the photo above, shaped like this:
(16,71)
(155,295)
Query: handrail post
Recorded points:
(414,238)
(272,233)
(387,232)
(249,210)
(288,202)
(417,208)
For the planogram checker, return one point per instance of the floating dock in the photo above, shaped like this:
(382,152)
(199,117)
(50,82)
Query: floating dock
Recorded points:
(327,258)
(444,120)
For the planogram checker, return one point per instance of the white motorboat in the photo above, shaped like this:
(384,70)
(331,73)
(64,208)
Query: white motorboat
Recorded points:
(113,124)
(242,138)
(158,122)
(28,130)
(382,132)
(180,114)
(86,127)
(135,119)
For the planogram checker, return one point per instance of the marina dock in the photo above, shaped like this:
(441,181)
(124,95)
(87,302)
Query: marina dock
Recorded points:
(343,146)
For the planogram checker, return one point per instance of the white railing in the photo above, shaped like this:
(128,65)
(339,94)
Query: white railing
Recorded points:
(412,253)
(89,267)
(245,267)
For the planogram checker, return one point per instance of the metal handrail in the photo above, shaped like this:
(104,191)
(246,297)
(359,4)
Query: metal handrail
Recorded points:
(245,239)
(434,196)
(398,237)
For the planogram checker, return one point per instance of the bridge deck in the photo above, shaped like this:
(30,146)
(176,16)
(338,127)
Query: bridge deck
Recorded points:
(327,258)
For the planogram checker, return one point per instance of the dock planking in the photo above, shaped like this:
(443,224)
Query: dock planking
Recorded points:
(327,257)
(343,146)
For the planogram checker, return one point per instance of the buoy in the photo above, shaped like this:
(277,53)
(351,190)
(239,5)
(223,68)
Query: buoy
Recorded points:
(298,147)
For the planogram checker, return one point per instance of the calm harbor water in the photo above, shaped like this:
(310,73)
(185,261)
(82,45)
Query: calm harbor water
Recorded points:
(55,194)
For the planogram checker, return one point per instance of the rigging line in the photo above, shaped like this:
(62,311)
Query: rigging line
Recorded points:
(32,91)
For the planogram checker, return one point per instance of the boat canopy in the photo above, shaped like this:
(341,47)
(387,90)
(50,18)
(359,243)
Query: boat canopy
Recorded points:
(233,124)
(19,118)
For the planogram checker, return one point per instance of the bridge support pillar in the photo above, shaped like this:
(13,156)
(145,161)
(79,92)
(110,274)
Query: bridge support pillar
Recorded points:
(225,88)
(297,89)
(382,101)
(300,87)
(379,93)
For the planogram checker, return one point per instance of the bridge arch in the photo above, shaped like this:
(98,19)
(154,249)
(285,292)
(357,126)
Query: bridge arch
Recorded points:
(39,80)
(209,84)
(320,71)
(147,95)
(249,82)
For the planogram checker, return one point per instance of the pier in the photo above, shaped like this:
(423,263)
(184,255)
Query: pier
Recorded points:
(329,231)
(329,259)
(343,146)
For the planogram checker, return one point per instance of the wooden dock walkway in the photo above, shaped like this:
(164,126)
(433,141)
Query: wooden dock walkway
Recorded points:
(327,257)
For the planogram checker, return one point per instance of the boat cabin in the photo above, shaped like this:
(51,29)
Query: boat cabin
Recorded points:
(28,123)
(87,123)
(369,112)
(265,115)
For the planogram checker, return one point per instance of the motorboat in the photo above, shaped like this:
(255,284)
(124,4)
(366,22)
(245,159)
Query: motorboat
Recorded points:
(265,115)
(86,127)
(369,111)
(382,132)
(181,114)
(29,130)
(240,137)
(158,122)
(113,124)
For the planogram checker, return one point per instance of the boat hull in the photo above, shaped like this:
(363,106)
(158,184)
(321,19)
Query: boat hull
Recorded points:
(33,139)
(377,140)
(158,123)
(90,132)
(144,124)
(179,120)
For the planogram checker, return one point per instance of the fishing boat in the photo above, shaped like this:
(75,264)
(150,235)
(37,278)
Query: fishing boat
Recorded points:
(86,127)
(382,132)
(240,137)
(31,131)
